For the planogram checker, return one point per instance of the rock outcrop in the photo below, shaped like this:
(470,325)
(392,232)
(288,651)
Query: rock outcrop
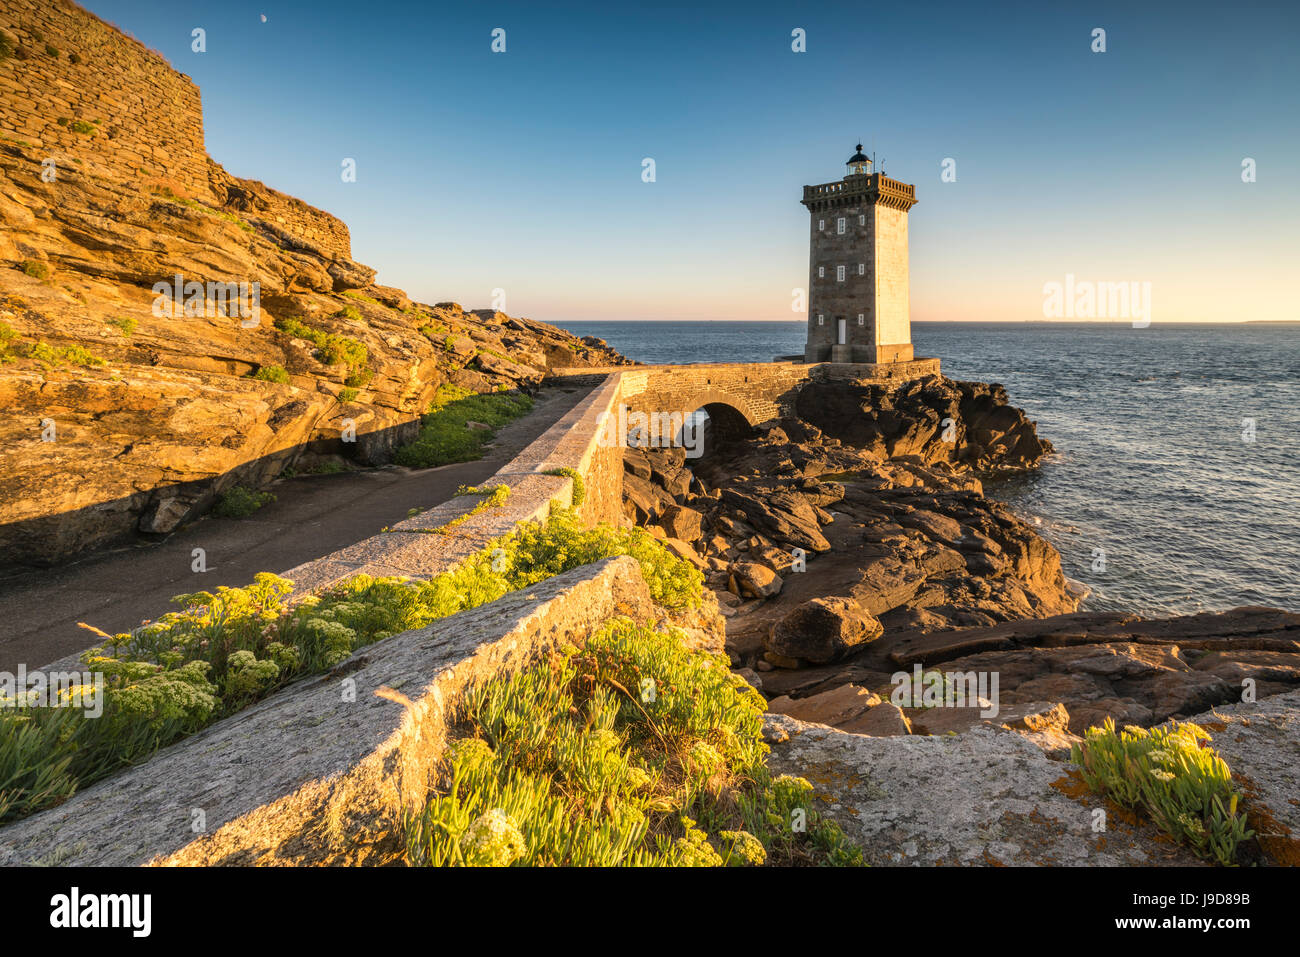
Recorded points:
(935,418)
(908,541)
(1002,793)
(122,418)
(881,555)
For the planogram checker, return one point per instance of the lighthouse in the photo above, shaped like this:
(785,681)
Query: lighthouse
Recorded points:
(858,304)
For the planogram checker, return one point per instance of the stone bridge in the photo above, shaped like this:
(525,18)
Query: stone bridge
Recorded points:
(739,396)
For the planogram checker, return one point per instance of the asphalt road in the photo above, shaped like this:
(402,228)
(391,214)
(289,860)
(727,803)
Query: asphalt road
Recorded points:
(312,516)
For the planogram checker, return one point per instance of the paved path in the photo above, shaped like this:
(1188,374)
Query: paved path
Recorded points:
(313,515)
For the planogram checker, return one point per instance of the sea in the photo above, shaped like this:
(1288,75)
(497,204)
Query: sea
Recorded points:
(1174,487)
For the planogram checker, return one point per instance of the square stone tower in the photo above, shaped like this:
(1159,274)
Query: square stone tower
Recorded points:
(858,305)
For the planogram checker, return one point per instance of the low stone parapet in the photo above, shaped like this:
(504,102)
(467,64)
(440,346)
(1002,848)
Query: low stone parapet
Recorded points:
(429,543)
(343,753)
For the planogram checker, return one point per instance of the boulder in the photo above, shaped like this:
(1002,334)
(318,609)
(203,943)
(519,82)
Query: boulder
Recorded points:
(683,550)
(682,522)
(782,516)
(757,581)
(823,630)
(830,707)
(885,720)
(349,275)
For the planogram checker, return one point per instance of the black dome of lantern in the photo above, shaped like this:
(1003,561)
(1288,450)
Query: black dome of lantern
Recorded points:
(858,163)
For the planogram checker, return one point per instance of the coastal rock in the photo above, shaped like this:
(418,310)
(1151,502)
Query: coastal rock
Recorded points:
(935,419)
(1106,665)
(823,629)
(782,515)
(682,522)
(755,580)
(988,797)
(156,414)
(683,550)
(885,720)
(832,707)
(998,796)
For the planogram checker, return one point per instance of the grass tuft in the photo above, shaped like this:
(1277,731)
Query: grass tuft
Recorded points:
(1172,774)
(334,349)
(444,435)
(241,502)
(271,373)
(579,486)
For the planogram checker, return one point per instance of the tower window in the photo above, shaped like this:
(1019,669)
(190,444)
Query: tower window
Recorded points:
(862,269)
(839,226)
(820,319)
(821,272)
(861,319)
(839,273)
(862,220)
(821,224)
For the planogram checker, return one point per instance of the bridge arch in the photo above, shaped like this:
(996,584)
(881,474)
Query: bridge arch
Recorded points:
(724,402)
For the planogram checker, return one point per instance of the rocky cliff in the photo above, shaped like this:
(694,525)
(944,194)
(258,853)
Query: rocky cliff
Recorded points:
(122,417)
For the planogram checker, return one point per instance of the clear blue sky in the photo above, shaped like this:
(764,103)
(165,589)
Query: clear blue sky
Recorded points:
(522,170)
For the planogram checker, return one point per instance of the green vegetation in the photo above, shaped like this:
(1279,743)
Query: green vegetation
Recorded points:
(74,58)
(224,651)
(351,313)
(494,497)
(334,349)
(361,297)
(52,50)
(229,217)
(11,350)
(84,128)
(49,355)
(630,750)
(6,46)
(347,394)
(35,269)
(271,374)
(1168,772)
(124,323)
(241,502)
(579,486)
(328,467)
(444,436)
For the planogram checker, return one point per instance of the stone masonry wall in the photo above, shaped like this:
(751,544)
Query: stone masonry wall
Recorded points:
(288,214)
(893,303)
(759,391)
(831,298)
(126,111)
